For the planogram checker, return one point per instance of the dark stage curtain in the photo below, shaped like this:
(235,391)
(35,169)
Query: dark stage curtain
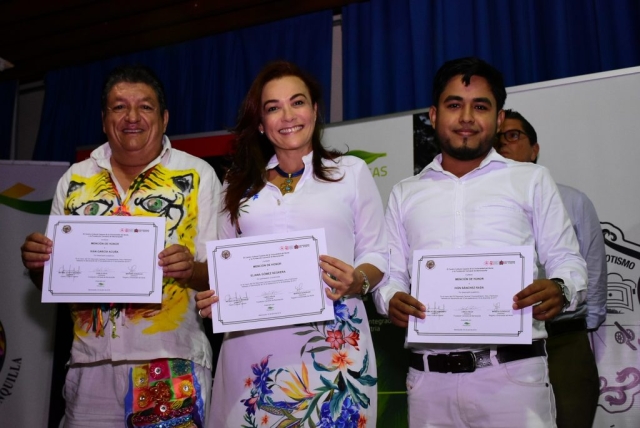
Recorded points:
(205,81)
(392,48)
(8,92)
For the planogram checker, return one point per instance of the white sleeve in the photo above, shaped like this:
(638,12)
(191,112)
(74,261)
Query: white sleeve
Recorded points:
(556,241)
(370,233)
(57,206)
(225,229)
(592,249)
(399,254)
(208,207)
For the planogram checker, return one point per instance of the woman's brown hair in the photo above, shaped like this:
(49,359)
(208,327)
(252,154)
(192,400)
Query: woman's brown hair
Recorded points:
(251,150)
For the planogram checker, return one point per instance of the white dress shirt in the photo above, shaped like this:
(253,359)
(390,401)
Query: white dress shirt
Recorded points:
(500,203)
(349,210)
(589,233)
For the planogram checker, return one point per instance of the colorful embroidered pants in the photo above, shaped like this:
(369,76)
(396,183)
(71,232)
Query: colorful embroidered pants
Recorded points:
(156,394)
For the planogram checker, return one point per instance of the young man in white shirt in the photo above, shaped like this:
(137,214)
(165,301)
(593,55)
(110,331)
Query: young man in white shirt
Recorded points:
(471,197)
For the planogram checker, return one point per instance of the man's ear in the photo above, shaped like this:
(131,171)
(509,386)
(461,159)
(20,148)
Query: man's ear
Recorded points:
(500,119)
(535,149)
(165,118)
(432,116)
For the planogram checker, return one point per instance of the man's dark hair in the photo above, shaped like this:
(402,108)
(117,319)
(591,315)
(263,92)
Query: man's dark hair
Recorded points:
(526,126)
(134,74)
(467,67)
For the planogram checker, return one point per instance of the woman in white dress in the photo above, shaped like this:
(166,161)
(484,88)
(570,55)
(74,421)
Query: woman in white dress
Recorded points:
(282,179)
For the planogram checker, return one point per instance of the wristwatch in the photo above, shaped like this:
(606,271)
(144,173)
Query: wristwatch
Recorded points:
(366,285)
(560,283)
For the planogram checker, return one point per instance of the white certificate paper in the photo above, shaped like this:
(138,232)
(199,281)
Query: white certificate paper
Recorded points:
(99,259)
(268,281)
(469,295)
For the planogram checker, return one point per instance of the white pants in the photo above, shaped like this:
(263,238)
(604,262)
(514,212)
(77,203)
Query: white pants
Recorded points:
(514,394)
(95,393)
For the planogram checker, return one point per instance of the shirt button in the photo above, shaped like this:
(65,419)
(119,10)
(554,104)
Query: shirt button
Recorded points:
(457,212)
(278,202)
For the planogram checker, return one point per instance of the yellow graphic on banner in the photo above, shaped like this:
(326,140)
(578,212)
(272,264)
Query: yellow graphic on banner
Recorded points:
(17,191)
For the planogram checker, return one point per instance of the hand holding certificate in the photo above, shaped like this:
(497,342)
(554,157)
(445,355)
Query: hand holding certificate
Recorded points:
(268,281)
(99,259)
(468,295)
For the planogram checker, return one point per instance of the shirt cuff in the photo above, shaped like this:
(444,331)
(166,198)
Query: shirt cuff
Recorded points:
(383,295)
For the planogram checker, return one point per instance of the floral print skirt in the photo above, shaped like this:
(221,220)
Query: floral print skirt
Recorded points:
(310,375)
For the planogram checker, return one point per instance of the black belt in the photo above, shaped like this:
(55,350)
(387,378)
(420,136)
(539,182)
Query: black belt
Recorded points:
(555,328)
(460,362)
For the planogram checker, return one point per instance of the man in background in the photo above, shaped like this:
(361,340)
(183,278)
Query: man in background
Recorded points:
(572,366)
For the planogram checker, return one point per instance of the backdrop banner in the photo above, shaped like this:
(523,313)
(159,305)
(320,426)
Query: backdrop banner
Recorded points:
(587,136)
(26,325)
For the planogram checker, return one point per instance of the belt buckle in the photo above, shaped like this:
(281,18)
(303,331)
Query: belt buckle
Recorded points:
(462,362)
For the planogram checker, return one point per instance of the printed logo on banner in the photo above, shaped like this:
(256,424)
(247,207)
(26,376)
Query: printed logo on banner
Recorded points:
(13,370)
(617,341)
(3,346)
(11,198)
(369,157)
(25,202)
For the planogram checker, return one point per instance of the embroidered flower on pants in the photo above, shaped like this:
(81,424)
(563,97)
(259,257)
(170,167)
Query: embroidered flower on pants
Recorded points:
(159,369)
(186,388)
(163,410)
(140,376)
(144,399)
(161,392)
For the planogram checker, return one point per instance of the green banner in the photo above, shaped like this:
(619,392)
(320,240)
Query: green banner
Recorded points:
(31,207)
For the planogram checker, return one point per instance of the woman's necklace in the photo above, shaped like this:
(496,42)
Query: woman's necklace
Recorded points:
(287,187)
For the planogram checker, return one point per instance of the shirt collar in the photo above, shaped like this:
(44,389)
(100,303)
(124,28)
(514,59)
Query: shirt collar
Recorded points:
(306,159)
(491,157)
(102,155)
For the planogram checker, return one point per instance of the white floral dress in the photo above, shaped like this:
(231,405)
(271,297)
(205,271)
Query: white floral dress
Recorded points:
(311,375)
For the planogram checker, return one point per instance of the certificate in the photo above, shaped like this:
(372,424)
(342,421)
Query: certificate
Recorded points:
(268,281)
(98,259)
(469,293)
